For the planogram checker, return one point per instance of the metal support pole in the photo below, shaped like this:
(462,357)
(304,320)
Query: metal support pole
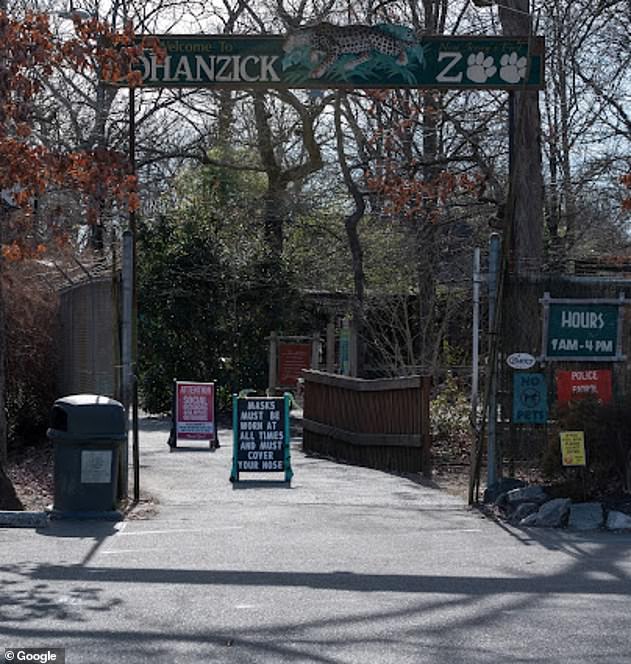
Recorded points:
(127,313)
(494,260)
(135,448)
(273,369)
(134,319)
(475,354)
(511,132)
(126,348)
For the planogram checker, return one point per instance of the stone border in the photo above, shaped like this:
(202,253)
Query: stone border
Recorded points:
(528,505)
(17,519)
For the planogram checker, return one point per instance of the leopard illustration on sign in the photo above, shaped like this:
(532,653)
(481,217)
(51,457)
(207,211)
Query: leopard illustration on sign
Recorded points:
(343,48)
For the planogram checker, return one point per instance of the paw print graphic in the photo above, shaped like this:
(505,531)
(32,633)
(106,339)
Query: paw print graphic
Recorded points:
(512,67)
(480,67)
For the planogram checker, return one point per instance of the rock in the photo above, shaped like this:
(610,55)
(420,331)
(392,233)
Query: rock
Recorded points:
(553,514)
(522,511)
(586,516)
(618,521)
(501,501)
(530,520)
(492,492)
(527,494)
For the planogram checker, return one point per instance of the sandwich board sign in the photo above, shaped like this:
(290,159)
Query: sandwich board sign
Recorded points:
(261,436)
(193,412)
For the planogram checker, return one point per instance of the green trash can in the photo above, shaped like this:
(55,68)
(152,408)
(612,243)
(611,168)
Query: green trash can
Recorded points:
(87,431)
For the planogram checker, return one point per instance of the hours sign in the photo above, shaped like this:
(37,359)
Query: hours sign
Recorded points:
(582,330)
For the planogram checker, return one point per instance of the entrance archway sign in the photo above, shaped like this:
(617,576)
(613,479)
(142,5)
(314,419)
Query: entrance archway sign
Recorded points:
(352,57)
(335,57)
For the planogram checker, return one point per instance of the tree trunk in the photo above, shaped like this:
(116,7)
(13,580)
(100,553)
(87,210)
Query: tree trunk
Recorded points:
(351,221)
(351,224)
(8,498)
(3,346)
(526,175)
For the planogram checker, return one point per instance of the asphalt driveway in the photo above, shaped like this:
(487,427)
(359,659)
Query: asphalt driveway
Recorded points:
(347,565)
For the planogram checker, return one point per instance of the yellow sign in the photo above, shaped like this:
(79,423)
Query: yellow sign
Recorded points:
(573,448)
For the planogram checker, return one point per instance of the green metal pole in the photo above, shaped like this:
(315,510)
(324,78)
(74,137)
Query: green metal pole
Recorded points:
(234,475)
(289,473)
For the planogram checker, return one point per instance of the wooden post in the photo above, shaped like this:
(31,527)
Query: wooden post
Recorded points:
(352,348)
(344,363)
(315,351)
(330,347)
(426,436)
(273,368)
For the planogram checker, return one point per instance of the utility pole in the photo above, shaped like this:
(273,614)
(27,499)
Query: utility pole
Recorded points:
(475,361)
(133,227)
(525,207)
(494,267)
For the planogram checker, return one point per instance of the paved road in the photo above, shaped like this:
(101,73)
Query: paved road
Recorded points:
(349,565)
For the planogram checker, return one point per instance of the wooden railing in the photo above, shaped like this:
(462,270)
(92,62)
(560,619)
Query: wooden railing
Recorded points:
(380,423)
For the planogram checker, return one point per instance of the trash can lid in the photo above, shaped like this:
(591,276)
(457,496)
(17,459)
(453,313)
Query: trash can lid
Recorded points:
(89,415)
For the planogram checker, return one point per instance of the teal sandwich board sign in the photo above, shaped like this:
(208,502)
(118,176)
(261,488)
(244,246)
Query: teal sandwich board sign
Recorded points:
(261,436)
(351,56)
(530,398)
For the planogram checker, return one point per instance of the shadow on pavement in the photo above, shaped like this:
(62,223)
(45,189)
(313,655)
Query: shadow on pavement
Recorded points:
(573,582)
(242,485)
(410,627)
(99,531)
(190,448)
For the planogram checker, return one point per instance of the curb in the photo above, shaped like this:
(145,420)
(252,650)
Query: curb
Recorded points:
(94,515)
(15,519)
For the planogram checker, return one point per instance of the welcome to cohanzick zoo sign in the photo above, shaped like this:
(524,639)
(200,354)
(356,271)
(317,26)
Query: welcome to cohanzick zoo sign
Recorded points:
(353,56)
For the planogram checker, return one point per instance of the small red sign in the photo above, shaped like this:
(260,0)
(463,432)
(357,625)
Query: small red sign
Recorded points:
(195,417)
(576,385)
(292,359)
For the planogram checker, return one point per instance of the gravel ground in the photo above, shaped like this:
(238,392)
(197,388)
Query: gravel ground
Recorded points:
(31,472)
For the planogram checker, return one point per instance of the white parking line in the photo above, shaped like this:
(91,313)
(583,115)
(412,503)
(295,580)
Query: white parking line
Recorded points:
(179,530)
